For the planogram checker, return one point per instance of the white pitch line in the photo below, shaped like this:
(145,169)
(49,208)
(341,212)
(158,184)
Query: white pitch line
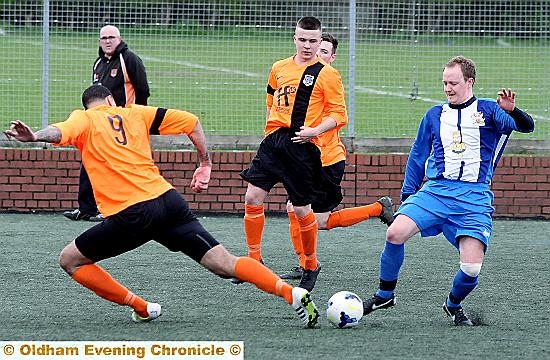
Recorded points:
(166,61)
(203,67)
(367,90)
(192,65)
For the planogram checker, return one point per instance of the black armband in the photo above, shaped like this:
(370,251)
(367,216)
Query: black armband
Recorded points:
(159,116)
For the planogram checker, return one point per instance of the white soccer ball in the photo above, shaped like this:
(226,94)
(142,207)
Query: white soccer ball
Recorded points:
(344,309)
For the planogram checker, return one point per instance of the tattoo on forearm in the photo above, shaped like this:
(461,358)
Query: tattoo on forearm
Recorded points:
(200,145)
(203,156)
(50,135)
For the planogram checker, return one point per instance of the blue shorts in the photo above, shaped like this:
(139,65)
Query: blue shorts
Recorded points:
(453,208)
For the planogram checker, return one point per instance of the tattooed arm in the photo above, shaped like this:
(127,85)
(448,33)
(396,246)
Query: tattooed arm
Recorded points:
(198,139)
(22,132)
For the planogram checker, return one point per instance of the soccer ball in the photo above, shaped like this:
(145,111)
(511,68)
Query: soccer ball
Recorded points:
(344,309)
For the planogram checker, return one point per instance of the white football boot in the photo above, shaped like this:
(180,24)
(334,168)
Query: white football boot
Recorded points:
(154,311)
(304,307)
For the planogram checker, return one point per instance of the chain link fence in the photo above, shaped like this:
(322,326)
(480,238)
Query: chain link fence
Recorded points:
(213,57)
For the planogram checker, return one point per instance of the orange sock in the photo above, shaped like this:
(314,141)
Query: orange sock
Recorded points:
(253,272)
(294,228)
(93,277)
(254,220)
(308,232)
(354,215)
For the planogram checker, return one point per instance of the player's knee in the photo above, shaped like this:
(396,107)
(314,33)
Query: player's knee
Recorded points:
(254,195)
(70,259)
(65,262)
(322,221)
(470,269)
(394,236)
(219,261)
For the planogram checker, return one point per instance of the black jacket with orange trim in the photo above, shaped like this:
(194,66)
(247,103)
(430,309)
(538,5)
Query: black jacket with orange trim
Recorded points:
(124,74)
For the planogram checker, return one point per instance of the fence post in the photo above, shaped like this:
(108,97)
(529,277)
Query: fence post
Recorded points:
(351,94)
(45,60)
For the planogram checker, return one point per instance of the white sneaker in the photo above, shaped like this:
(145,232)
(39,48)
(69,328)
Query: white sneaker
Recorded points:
(154,311)
(304,307)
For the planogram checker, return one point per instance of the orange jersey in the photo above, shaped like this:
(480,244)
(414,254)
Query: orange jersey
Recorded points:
(116,153)
(304,95)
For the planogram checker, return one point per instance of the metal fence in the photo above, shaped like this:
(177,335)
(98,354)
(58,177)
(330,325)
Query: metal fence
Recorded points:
(212,57)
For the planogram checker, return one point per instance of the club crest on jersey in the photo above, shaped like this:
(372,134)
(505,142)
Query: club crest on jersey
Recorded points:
(308,80)
(457,146)
(114,72)
(478,118)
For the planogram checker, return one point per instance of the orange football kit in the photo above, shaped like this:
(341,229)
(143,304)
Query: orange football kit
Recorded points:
(99,133)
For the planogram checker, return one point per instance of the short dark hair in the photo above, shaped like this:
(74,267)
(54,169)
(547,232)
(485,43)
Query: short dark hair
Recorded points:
(94,93)
(331,39)
(467,66)
(309,23)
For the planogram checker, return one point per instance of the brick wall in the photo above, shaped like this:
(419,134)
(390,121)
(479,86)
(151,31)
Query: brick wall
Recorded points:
(47,180)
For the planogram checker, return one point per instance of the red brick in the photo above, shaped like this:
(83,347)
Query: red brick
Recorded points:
(43,180)
(21,195)
(525,186)
(536,178)
(7,204)
(47,180)
(58,189)
(10,187)
(44,196)
(11,172)
(32,188)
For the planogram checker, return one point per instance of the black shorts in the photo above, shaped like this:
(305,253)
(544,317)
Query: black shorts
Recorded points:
(166,220)
(332,178)
(296,166)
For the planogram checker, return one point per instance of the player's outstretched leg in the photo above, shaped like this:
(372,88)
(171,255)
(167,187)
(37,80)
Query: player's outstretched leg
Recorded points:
(387,210)
(238,281)
(153,310)
(100,282)
(305,307)
(382,208)
(264,279)
(96,279)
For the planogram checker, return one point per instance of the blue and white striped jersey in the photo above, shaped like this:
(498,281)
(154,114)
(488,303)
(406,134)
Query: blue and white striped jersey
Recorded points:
(460,142)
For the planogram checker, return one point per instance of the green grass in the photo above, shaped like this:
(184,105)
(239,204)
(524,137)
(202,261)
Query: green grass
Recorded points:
(42,303)
(221,76)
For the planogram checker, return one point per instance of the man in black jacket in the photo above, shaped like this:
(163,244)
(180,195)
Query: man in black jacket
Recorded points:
(123,73)
(119,69)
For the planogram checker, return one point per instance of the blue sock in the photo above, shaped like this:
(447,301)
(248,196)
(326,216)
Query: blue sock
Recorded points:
(463,284)
(391,259)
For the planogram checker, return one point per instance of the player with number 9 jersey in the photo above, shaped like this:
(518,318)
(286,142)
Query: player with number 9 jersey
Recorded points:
(99,133)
